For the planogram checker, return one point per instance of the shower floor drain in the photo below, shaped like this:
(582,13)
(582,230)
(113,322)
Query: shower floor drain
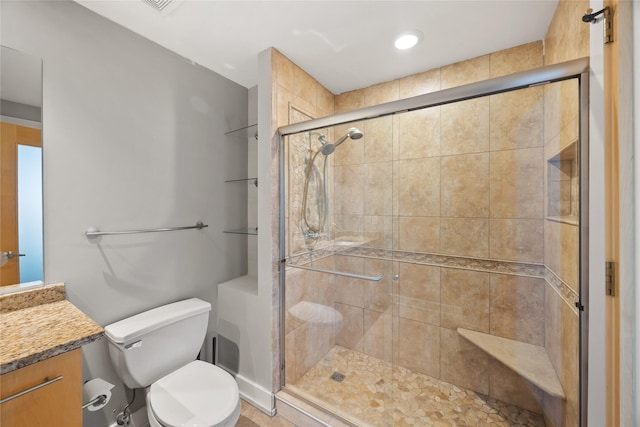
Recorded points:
(337,376)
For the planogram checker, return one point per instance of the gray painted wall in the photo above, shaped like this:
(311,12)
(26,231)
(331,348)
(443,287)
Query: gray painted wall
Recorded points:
(133,138)
(20,111)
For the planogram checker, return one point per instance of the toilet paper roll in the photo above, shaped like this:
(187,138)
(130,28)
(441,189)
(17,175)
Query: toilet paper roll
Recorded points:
(94,389)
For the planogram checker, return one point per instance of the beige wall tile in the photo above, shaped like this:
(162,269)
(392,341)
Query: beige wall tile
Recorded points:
(350,333)
(416,187)
(553,327)
(377,140)
(520,58)
(377,295)
(567,37)
(418,234)
(469,71)
(517,119)
(462,363)
(378,335)
(349,101)
(552,116)
(291,375)
(465,185)
(378,188)
(507,386)
(517,308)
(464,127)
(349,225)
(347,290)
(283,96)
(304,86)
(419,347)
(348,153)
(562,251)
(420,282)
(570,374)
(517,183)
(381,93)
(418,293)
(312,341)
(378,232)
(419,134)
(296,282)
(282,69)
(419,84)
(516,240)
(569,102)
(465,299)
(349,190)
(465,237)
(325,100)
(418,310)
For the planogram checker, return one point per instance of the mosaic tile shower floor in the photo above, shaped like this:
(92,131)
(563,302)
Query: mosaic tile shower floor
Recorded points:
(365,396)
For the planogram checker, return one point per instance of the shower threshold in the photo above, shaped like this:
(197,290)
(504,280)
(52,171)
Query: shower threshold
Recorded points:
(378,393)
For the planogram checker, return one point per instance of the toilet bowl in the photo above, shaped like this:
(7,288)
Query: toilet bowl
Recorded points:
(156,351)
(198,394)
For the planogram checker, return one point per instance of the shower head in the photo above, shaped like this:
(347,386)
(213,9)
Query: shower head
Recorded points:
(329,148)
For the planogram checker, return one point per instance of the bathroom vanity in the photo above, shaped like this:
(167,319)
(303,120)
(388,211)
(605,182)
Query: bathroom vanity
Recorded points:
(41,358)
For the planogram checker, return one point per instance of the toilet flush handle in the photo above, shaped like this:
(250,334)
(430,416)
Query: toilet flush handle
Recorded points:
(134,344)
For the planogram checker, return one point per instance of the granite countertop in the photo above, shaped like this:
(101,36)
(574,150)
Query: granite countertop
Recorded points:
(41,323)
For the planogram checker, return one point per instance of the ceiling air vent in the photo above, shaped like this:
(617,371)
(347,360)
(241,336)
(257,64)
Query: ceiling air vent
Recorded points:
(163,5)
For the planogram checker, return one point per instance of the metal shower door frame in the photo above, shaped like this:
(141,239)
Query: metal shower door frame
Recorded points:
(575,69)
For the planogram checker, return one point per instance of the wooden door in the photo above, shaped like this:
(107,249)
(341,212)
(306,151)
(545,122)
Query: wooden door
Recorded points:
(10,137)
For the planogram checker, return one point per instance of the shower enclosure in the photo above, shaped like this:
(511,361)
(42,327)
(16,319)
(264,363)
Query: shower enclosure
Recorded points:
(432,250)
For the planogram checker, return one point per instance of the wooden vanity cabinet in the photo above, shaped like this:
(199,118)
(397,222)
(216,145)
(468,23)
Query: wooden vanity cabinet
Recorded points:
(59,403)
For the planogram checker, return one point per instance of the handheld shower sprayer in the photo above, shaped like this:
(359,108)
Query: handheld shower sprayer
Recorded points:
(328,148)
(314,215)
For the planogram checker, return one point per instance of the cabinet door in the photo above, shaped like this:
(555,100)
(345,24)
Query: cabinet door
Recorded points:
(58,403)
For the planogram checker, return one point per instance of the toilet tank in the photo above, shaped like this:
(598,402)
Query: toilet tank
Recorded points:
(149,345)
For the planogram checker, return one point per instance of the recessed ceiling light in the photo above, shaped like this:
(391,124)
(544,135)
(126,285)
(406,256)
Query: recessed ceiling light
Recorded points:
(408,39)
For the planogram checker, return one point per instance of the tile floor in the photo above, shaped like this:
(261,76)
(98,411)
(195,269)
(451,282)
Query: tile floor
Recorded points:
(364,397)
(251,416)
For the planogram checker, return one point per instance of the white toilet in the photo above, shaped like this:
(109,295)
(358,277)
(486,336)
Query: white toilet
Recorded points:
(155,350)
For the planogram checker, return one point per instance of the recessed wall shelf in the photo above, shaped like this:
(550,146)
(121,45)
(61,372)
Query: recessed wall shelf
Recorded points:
(563,186)
(246,135)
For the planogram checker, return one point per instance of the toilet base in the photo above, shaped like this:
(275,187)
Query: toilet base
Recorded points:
(229,422)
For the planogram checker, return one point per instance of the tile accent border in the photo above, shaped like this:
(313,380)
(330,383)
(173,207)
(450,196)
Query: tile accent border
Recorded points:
(463,263)
(568,295)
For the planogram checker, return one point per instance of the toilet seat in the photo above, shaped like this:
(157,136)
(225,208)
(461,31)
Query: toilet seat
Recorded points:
(198,394)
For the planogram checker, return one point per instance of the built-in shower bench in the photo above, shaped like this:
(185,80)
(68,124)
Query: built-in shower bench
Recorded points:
(528,360)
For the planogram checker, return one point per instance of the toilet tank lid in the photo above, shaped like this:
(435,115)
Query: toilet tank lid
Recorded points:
(140,324)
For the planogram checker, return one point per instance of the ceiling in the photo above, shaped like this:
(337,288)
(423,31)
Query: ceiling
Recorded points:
(345,45)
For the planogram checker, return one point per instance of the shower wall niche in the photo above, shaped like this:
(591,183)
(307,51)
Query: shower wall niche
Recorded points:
(450,206)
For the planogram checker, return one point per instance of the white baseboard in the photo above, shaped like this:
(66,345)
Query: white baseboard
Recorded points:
(256,395)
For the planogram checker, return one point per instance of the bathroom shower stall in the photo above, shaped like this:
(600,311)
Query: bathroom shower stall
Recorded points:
(432,251)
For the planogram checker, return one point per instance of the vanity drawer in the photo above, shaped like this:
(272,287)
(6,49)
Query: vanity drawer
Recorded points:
(52,393)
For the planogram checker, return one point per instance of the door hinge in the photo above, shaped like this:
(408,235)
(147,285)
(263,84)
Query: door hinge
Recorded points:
(607,20)
(608,25)
(610,278)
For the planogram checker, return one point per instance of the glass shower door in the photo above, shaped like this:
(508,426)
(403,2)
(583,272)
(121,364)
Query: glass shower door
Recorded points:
(338,292)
